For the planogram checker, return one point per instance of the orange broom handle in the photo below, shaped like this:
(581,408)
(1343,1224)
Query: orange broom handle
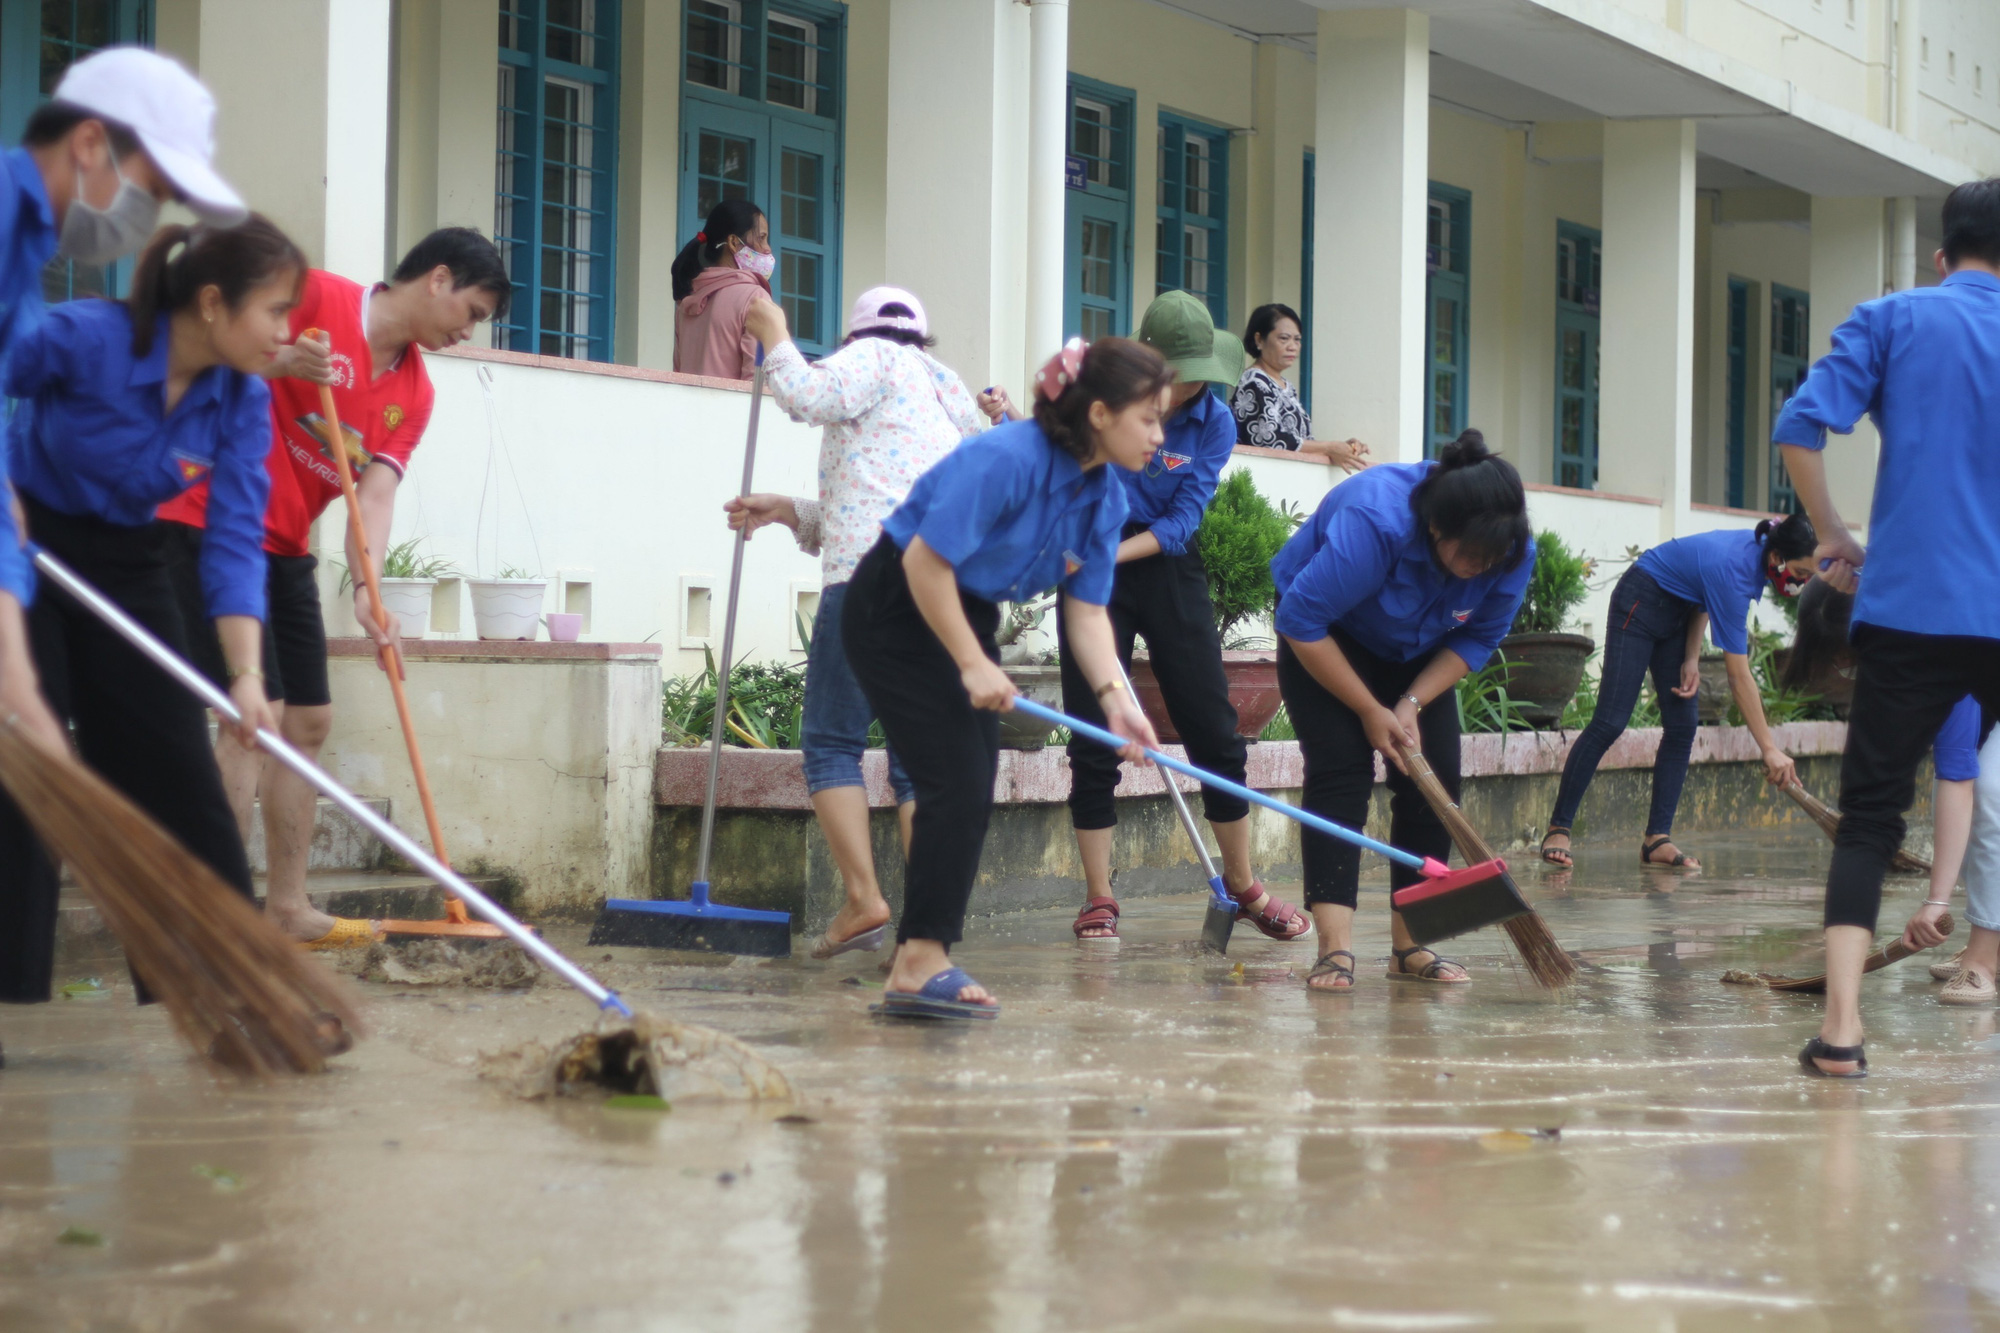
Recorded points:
(390,657)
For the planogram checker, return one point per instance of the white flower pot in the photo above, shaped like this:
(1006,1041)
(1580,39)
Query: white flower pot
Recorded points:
(409,600)
(507,608)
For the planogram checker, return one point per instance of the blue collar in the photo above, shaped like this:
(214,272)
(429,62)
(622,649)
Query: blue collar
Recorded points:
(28,176)
(1972,278)
(152,369)
(1066,470)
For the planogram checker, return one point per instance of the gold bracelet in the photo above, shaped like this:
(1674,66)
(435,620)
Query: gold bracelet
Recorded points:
(236,673)
(1109,686)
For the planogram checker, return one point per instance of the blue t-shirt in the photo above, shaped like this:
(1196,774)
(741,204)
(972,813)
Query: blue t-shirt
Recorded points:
(1017,516)
(1361,564)
(1955,753)
(1925,363)
(1721,572)
(27,243)
(94,440)
(1171,493)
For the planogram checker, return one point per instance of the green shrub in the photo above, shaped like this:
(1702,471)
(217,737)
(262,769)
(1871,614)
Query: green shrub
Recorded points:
(1483,702)
(401,561)
(767,703)
(1556,589)
(1238,536)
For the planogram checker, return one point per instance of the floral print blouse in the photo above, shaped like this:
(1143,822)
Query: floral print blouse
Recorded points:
(1268,412)
(890,412)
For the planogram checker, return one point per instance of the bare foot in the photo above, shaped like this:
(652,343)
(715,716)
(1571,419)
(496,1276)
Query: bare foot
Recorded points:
(1555,849)
(306,923)
(852,920)
(1664,854)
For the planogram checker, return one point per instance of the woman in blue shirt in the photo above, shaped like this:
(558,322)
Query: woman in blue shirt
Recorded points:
(1033,506)
(125,405)
(1405,579)
(1659,609)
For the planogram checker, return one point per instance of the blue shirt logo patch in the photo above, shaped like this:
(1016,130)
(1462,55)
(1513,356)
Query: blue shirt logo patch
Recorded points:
(1071,563)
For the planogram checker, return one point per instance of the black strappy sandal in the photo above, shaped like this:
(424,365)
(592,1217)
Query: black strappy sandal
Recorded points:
(1818,1048)
(1646,850)
(1549,854)
(1429,971)
(1326,967)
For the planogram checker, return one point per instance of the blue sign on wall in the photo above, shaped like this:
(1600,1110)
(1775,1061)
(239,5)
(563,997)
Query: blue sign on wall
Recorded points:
(1075,174)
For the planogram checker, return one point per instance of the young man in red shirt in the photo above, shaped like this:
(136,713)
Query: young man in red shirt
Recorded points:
(369,347)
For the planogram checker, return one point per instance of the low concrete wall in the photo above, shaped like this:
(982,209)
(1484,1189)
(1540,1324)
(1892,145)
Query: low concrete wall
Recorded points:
(541,758)
(769,851)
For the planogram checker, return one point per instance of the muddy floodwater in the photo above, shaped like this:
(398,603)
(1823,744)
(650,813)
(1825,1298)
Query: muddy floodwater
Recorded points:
(1146,1139)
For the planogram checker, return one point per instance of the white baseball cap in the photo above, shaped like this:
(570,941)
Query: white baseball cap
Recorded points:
(870,312)
(169,111)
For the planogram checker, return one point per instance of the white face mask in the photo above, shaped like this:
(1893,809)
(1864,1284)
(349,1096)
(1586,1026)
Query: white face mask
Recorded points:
(92,235)
(759,262)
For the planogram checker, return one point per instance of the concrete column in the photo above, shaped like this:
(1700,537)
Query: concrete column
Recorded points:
(1903,275)
(358,39)
(1845,269)
(958,153)
(1909,61)
(1048,139)
(447,55)
(1372,159)
(1645,399)
(648,182)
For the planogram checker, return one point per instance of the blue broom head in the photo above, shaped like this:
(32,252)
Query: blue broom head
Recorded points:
(696,924)
(1459,901)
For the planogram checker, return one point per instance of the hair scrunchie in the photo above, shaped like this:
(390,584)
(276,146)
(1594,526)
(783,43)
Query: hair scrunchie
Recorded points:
(701,237)
(1061,369)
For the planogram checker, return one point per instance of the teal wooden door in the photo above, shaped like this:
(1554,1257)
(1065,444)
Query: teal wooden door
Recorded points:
(1791,322)
(1579,271)
(1097,214)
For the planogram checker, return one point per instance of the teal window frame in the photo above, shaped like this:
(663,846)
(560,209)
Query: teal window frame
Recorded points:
(1097,217)
(1193,205)
(32,60)
(1447,278)
(1579,284)
(1735,479)
(560,253)
(1306,285)
(763,86)
(1791,334)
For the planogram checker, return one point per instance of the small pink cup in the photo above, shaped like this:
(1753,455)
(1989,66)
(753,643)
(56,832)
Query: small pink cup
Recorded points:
(565,626)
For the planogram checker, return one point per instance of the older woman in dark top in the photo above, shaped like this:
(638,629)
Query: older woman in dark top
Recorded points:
(1268,411)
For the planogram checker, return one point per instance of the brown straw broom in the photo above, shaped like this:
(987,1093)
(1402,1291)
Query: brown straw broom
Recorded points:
(1829,821)
(1547,962)
(240,992)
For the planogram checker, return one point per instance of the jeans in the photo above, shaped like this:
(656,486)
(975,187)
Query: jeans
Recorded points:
(1647,631)
(1982,854)
(834,732)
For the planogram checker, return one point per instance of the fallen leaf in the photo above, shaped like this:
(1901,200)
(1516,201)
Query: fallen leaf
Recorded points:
(637,1101)
(89,988)
(74,1235)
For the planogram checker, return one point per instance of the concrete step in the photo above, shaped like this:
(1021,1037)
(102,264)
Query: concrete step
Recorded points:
(338,842)
(81,932)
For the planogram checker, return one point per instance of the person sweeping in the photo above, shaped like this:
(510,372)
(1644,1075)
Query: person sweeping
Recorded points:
(1672,596)
(891,410)
(1405,579)
(125,405)
(1032,506)
(370,345)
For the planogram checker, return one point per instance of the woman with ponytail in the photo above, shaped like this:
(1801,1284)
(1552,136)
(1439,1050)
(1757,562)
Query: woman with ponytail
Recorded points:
(1406,579)
(1659,610)
(717,277)
(124,406)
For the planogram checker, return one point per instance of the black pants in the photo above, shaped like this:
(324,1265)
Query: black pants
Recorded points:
(1905,686)
(950,749)
(142,732)
(1165,598)
(1340,769)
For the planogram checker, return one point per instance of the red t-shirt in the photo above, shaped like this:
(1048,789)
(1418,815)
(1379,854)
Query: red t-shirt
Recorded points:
(382,416)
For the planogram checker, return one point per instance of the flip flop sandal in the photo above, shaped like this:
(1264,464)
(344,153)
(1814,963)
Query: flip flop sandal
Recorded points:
(1646,850)
(868,941)
(1326,967)
(1968,988)
(1430,971)
(1097,914)
(347,933)
(1818,1048)
(937,999)
(1949,968)
(1279,920)
(1549,854)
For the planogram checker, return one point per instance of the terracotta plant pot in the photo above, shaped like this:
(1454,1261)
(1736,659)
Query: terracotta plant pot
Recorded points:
(1253,689)
(1543,671)
(1043,684)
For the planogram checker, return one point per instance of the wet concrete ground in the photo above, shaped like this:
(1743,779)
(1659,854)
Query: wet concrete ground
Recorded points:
(1146,1139)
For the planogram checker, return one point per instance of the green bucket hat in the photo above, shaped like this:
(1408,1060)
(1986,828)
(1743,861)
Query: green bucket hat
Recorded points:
(1177,326)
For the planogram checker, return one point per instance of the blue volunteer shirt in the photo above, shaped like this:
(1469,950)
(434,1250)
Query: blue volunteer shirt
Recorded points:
(1171,493)
(1721,572)
(27,244)
(1925,364)
(1017,516)
(1362,565)
(1955,753)
(94,439)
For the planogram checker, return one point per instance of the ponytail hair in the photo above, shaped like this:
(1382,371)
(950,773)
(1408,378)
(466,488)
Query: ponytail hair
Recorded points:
(731,217)
(1789,538)
(1117,372)
(1474,497)
(180,261)
(1821,640)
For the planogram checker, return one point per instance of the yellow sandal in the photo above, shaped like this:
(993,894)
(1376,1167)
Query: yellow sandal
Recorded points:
(348,933)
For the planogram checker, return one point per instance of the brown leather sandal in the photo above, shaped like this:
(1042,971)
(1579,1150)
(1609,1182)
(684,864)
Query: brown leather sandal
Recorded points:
(1098,914)
(1279,920)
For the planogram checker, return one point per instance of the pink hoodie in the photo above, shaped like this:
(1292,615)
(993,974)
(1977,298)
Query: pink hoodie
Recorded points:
(708,324)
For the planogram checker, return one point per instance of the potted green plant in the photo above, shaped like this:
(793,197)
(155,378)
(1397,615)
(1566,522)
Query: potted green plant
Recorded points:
(409,580)
(1545,664)
(1237,538)
(507,607)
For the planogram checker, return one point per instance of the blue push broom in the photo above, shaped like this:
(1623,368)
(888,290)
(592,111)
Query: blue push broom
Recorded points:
(698,924)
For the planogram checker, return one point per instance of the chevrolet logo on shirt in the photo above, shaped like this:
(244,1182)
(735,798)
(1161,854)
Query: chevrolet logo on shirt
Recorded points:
(192,469)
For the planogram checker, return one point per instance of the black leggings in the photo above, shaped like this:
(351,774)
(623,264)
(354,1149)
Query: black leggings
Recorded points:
(1905,685)
(1165,598)
(1340,769)
(140,730)
(950,749)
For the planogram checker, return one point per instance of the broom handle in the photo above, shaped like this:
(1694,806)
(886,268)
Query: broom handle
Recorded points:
(1470,845)
(1180,803)
(728,636)
(1022,703)
(278,748)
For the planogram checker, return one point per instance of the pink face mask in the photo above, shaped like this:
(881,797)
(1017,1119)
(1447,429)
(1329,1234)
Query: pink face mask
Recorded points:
(760,262)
